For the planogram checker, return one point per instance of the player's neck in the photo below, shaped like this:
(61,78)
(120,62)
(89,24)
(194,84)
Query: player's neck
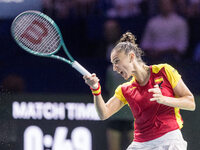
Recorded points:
(143,75)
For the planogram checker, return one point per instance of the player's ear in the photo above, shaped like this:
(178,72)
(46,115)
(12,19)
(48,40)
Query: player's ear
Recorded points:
(131,56)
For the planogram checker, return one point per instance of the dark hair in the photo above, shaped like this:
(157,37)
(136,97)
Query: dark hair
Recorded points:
(127,44)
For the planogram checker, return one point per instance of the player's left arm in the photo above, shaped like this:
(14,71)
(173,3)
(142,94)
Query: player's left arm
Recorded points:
(184,98)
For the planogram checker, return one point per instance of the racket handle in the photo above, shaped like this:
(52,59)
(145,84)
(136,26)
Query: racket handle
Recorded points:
(80,68)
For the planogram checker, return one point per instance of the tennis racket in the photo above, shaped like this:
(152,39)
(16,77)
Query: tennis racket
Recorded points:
(38,34)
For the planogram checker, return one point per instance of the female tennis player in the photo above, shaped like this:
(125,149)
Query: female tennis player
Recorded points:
(155,94)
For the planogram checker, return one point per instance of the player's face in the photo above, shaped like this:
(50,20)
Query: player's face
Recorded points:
(122,64)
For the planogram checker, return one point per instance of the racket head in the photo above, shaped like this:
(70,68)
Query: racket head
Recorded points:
(36,33)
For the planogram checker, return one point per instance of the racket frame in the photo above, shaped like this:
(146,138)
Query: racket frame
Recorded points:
(61,43)
(71,60)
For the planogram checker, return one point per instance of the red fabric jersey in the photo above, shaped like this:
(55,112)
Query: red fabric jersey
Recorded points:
(152,119)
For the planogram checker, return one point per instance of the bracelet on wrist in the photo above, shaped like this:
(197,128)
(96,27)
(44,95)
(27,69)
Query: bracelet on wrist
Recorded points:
(97,91)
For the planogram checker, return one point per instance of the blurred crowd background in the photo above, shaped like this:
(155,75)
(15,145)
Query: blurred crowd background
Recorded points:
(167,30)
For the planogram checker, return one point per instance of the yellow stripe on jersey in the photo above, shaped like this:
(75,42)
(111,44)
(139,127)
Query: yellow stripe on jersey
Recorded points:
(172,74)
(119,94)
(118,91)
(178,117)
(157,68)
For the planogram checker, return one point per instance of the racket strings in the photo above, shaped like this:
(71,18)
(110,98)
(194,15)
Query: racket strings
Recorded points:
(36,33)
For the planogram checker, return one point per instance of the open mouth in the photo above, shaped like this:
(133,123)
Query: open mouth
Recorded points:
(122,73)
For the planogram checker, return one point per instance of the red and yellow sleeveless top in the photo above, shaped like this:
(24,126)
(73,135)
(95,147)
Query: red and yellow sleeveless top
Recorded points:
(152,119)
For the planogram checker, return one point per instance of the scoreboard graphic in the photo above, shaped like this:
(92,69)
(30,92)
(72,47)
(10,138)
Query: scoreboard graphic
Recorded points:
(55,122)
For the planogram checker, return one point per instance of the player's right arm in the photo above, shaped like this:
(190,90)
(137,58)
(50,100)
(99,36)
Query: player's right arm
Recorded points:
(104,110)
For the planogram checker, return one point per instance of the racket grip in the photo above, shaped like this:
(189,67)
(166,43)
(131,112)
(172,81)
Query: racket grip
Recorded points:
(80,68)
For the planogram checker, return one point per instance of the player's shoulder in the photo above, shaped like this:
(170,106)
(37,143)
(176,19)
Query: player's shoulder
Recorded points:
(158,67)
(128,83)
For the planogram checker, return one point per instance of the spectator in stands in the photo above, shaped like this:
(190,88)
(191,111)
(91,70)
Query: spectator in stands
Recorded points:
(193,8)
(112,32)
(62,8)
(193,16)
(181,7)
(48,7)
(197,53)
(84,7)
(124,8)
(166,35)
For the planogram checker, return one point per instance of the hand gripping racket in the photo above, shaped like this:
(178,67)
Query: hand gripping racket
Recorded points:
(38,34)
